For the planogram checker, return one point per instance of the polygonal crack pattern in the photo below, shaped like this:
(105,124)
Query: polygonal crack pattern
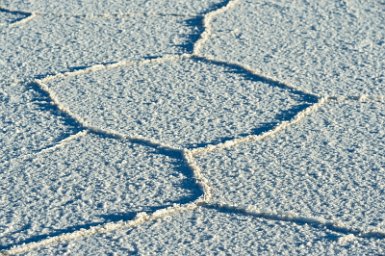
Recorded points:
(330,166)
(90,181)
(186,102)
(327,170)
(215,231)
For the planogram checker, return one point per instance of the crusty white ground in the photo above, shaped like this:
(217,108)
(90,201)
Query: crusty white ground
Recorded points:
(192,127)
(68,41)
(330,166)
(90,180)
(25,126)
(105,7)
(217,232)
(199,102)
(7,17)
(326,47)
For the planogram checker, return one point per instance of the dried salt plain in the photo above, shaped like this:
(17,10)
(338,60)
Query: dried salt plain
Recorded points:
(173,127)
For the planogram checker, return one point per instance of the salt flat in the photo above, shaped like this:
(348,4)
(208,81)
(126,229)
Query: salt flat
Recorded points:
(192,127)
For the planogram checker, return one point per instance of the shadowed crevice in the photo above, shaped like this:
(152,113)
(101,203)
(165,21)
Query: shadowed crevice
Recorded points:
(196,24)
(19,15)
(57,232)
(71,69)
(43,102)
(189,184)
(284,116)
(247,75)
(302,221)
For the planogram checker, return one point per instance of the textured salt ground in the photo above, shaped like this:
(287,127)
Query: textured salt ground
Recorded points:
(9,17)
(63,34)
(20,62)
(330,166)
(326,47)
(120,7)
(199,102)
(90,181)
(26,126)
(68,43)
(216,232)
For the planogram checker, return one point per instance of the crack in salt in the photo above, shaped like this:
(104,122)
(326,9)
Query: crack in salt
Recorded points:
(188,155)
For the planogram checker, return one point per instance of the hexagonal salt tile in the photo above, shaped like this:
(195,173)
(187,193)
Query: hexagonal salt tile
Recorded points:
(90,181)
(326,47)
(330,166)
(185,102)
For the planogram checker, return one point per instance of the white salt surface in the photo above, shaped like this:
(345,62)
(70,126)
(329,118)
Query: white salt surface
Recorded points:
(330,166)
(184,102)
(89,181)
(105,7)
(25,126)
(326,47)
(70,42)
(216,232)
(192,127)
(8,17)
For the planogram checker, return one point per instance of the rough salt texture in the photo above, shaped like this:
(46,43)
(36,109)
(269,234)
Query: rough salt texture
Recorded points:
(188,102)
(28,123)
(69,35)
(217,232)
(8,17)
(326,47)
(329,166)
(58,184)
(90,181)
(122,7)
(50,44)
